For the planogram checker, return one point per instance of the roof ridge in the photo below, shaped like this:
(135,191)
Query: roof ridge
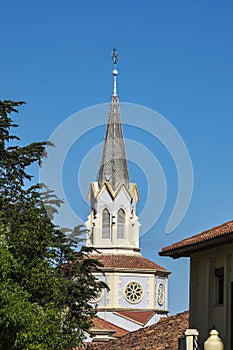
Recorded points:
(210,229)
(215,232)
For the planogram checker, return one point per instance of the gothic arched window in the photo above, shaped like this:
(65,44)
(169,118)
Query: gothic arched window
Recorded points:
(121,224)
(105,224)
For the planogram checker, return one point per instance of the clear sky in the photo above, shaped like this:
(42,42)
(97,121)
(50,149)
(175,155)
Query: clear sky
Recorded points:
(175,57)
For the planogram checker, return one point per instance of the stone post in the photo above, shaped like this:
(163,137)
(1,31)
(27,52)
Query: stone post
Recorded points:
(191,339)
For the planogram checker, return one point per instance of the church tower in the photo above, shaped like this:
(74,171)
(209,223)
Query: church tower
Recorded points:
(138,286)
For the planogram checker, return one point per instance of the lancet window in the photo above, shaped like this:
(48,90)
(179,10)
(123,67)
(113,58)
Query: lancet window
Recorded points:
(105,224)
(121,224)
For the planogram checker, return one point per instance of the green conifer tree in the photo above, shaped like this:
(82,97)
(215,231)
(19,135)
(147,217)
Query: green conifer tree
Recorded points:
(45,282)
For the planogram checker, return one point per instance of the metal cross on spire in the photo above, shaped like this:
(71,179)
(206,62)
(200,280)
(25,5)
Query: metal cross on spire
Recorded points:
(115,71)
(115,56)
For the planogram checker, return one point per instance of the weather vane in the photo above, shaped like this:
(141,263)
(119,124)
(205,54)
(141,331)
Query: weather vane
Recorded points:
(114,56)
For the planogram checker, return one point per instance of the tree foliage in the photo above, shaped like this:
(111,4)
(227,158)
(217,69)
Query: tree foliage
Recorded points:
(45,282)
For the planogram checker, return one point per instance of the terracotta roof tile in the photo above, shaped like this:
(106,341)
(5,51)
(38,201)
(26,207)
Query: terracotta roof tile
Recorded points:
(127,262)
(84,346)
(141,317)
(204,240)
(159,336)
(99,323)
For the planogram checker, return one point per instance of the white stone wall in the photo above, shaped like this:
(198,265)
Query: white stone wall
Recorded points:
(143,280)
(116,298)
(103,198)
(126,323)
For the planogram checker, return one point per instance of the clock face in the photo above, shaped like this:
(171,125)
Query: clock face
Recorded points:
(160,294)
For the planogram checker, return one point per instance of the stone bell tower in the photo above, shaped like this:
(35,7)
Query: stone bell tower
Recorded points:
(138,286)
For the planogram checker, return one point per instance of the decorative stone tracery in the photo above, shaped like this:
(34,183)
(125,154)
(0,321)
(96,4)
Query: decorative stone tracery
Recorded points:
(160,297)
(133,292)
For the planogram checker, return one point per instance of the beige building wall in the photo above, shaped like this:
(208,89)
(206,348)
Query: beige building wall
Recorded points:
(211,284)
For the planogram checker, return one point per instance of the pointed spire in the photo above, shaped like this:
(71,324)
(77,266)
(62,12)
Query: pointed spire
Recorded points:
(114,166)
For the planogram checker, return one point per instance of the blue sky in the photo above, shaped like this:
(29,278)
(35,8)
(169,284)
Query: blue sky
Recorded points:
(175,57)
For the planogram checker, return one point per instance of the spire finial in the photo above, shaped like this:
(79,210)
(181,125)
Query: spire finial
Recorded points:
(115,71)
(115,56)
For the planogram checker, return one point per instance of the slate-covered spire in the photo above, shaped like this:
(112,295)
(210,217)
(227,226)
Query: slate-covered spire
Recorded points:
(114,167)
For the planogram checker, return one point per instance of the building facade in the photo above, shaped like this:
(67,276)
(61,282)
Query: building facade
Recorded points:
(138,294)
(211,280)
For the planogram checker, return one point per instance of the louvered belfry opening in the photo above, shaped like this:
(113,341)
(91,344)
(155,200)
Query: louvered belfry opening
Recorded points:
(113,166)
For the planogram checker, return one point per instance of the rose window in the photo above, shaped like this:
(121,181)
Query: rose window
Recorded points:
(133,292)
(98,297)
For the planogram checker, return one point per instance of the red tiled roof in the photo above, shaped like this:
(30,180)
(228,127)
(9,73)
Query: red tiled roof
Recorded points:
(130,262)
(99,323)
(159,336)
(141,317)
(84,346)
(205,240)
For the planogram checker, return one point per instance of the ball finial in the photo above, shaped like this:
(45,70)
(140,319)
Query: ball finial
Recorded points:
(115,72)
